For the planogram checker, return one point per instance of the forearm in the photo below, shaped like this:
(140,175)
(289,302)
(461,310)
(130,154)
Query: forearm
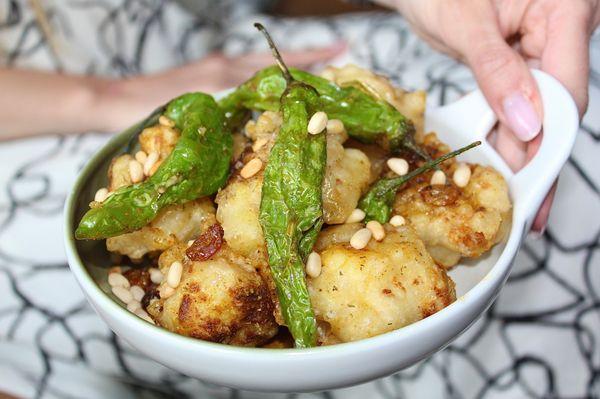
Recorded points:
(33,103)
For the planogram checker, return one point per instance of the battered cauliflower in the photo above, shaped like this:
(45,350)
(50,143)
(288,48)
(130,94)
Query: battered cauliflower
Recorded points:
(456,222)
(174,224)
(385,286)
(237,212)
(118,172)
(222,299)
(160,139)
(347,176)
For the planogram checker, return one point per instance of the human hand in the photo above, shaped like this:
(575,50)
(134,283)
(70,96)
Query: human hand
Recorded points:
(500,40)
(124,102)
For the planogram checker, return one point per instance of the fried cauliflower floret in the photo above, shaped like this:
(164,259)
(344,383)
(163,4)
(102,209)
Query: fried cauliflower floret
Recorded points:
(118,172)
(175,223)
(237,212)
(377,158)
(457,222)
(347,176)
(385,286)
(160,139)
(222,299)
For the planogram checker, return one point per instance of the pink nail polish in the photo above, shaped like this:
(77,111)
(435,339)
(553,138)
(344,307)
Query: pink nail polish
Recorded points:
(521,116)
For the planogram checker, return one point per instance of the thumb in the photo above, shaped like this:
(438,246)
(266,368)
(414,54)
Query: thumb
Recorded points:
(505,80)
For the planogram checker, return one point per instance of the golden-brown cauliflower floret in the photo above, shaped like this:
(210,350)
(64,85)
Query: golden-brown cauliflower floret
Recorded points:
(160,139)
(175,223)
(346,177)
(237,212)
(238,206)
(456,222)
(118,172)
(385,286)
(377,158)
(222,299)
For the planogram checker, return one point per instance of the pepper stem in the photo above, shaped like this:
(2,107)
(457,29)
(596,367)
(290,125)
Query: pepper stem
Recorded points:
(434,163)
(286,72)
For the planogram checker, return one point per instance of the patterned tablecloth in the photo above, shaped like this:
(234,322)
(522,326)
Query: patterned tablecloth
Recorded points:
(540,339)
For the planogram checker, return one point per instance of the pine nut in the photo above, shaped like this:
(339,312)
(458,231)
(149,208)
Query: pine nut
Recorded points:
(163,120)
(150,161)
(141,156)
(397,221)
(101,195)
(156,275)
(335,126)
(166,291)
(259,143)
(361,238)
(376,229)
(136,171)
(251,168)
(115,269)
(398,165)
(142,314)
(317,122)
(174,274)
(250,129)
(438,178)
(357,215)
(137,292)
(133,306)
(118,280)
(313,265)
(462,175)
(123,294)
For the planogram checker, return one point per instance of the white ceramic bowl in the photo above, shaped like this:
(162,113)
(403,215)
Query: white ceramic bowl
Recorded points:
(341,365)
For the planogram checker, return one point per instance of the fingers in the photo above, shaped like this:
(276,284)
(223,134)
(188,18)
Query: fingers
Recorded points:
(541,219)
(566,52)
(502,74)
(510,148)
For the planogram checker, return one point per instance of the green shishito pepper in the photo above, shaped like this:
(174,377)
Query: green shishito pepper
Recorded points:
(291,213)
(377,202)
(197,166)
(366,118)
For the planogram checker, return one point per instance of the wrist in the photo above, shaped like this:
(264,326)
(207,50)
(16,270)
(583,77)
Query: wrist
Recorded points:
(106,113)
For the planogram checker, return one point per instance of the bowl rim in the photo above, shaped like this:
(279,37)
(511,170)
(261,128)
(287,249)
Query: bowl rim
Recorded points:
(484,288)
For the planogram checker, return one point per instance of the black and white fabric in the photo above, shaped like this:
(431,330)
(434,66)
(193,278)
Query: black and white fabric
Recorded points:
(540,339)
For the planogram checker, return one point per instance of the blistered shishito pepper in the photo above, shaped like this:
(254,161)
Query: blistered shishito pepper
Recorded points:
(197,166)
(291,213)
(366,118)
(378,201)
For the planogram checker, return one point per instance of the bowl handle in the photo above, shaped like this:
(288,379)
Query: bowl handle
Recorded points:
(561,122)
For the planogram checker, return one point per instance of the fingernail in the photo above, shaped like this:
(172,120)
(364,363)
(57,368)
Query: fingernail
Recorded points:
(521,116)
